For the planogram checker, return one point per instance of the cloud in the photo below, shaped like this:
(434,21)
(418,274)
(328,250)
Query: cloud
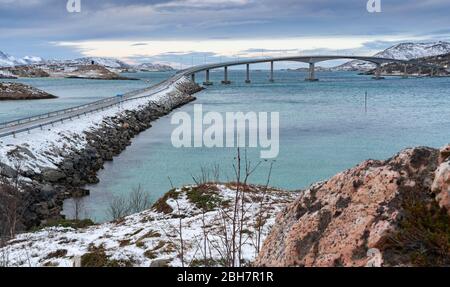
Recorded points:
(224,27)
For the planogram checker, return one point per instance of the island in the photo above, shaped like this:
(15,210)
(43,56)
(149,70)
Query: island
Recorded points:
(17,91)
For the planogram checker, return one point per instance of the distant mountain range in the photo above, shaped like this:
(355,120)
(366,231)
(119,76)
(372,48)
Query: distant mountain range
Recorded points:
(10,61)
(403,51)
(112,64)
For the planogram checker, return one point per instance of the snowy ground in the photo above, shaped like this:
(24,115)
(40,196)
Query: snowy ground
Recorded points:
(45,148)
(152,237)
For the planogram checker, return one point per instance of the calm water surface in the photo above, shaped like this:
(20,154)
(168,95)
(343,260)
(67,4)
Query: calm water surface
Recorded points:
(324,128)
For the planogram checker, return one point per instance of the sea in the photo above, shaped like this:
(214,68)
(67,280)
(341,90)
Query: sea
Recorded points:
(325,127)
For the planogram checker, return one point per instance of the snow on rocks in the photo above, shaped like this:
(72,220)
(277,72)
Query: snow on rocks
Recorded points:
(46,148)
(152,237)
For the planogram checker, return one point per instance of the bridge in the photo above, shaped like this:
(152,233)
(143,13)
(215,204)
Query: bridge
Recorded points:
(39,121)
(311,60)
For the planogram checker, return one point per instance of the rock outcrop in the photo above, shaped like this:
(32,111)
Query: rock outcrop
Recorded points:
(17,91)
(441,184)
(95,72)
(380,213)
(26,72)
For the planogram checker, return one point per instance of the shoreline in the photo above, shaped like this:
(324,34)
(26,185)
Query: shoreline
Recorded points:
(61,166)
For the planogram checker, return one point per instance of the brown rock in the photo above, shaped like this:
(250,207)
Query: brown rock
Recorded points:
(344,221)
(17,91)
(441,184)
(444,154)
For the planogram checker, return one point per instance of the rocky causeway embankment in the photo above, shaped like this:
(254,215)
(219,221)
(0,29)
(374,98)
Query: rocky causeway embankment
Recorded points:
(57,169)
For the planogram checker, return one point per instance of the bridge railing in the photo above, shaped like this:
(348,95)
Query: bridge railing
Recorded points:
(18,122)
(131,97)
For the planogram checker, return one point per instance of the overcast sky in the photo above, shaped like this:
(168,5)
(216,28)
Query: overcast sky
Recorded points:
(195,31)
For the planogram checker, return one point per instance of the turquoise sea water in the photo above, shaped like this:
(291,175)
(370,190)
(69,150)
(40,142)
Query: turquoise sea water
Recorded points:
(324,129)
(72,92)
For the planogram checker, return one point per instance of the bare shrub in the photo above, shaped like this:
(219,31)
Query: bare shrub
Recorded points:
(137,201)
(118,208)
(13,204)
(235,228)
(78,207)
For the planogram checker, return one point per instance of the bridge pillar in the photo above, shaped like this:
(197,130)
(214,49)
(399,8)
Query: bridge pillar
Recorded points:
(247,79)
(207,82)
(378,73)
(312,73)
(225,80)
(271,73)
(405,71)
(193,77)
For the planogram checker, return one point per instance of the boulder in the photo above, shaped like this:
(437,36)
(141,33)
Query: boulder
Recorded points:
(347,220)
(441,184)
(53,175)
(7,171)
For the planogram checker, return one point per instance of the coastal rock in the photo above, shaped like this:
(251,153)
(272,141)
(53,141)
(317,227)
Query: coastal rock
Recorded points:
(17,91)
(441,184)
(7,171)
(6,75)
(26,72)
(52,175)
(95,72)
(337,222)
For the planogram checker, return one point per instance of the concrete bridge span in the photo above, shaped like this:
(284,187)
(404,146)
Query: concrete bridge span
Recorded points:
(39,121)
(311,60)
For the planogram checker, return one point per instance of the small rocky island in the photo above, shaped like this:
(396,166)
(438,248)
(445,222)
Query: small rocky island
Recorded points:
(24,72)
(95,72)
(17,91)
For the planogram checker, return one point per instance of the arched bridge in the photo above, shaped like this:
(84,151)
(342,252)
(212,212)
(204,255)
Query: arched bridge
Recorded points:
(39,121)
(311,60)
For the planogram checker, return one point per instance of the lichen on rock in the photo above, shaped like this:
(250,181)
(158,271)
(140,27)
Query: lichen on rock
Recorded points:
(342,221)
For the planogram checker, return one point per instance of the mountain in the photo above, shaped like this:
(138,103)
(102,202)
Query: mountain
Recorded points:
(112,64)
(149,67)
(396,69)
(10,61)
(109,63)
(403,51)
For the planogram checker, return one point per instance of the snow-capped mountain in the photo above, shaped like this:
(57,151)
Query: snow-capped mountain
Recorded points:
(111,64)
(10,61)
(149,67)
(105,62)
(403,51)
